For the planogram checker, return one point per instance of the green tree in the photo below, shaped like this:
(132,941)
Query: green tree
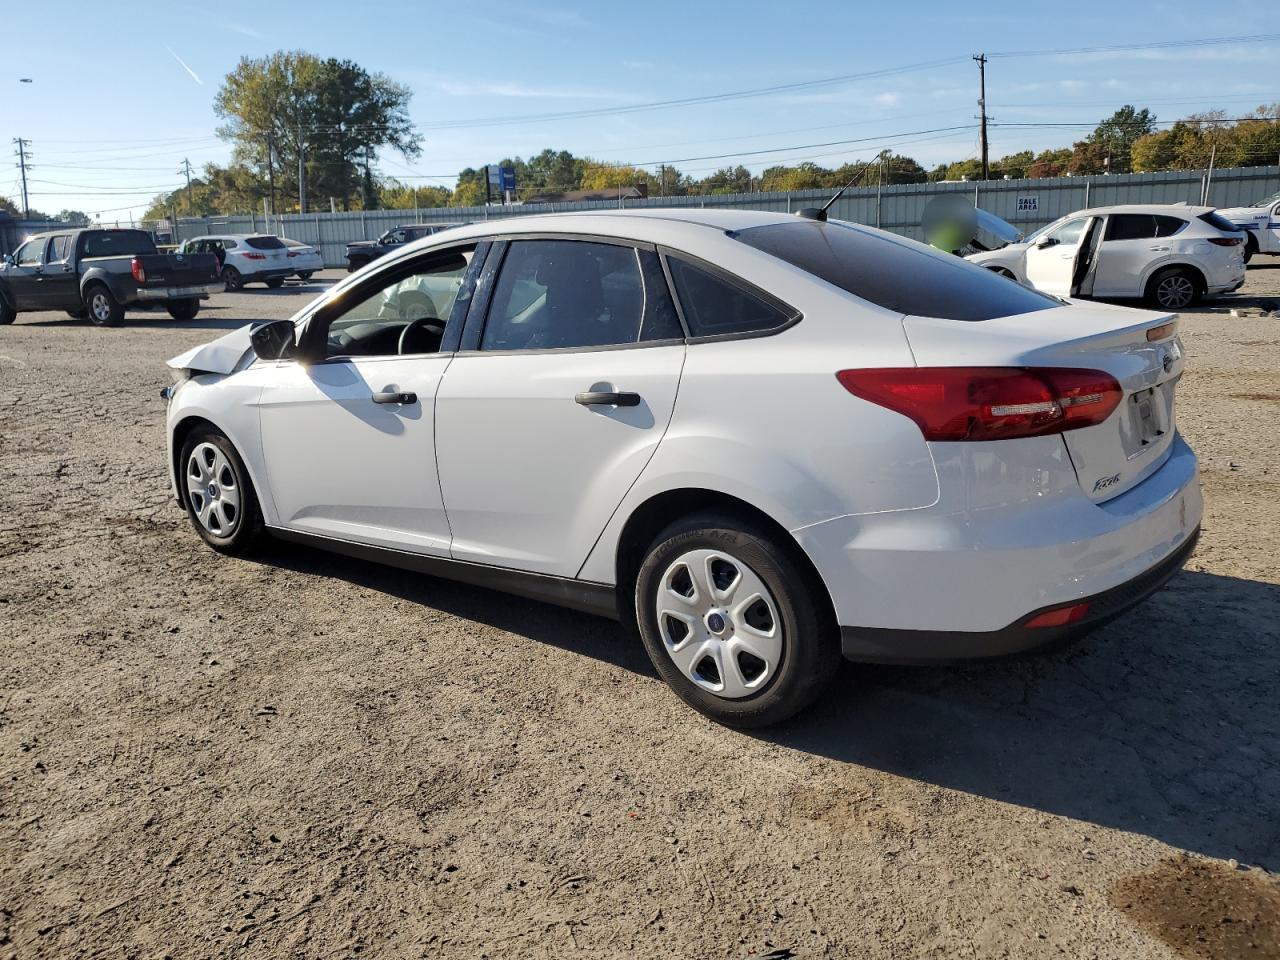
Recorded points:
(9,207)
(1114,138)
(332,112)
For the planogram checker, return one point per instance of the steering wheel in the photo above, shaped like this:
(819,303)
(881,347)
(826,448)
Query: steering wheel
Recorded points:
(429,325)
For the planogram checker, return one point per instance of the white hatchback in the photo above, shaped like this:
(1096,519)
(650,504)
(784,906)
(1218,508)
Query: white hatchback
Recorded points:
(764,440)
(1169,255)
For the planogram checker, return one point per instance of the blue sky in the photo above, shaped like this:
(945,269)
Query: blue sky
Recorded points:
(122,92)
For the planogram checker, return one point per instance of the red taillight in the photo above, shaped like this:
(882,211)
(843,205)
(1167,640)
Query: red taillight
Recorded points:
(1227,241)
(989,403)
(292,255)
(1060,617)
(255,256)
(139,272)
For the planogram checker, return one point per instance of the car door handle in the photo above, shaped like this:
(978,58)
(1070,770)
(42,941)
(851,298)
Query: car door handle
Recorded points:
(391,396)
(1159,249)
(602,398)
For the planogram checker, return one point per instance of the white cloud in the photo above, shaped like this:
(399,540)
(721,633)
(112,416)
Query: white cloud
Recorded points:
(184,66)
(890,98)
(241,29)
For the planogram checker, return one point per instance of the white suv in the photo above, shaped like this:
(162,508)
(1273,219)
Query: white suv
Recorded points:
(246,258)
(1170,255)
(762,439)
(1261,222)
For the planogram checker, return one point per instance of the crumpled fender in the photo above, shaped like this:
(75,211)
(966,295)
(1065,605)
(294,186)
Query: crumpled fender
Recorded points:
(223,355)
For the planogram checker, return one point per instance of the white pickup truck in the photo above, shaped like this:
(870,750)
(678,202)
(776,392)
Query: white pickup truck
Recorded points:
(1261,221)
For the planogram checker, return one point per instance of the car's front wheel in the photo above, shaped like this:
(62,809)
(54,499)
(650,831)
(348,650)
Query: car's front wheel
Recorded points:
(1250,246)
(218,494)
(275,283)
(7,313)
(732,623)
(305,274)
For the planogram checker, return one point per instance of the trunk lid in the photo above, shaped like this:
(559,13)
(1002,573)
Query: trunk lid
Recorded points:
(1132,443)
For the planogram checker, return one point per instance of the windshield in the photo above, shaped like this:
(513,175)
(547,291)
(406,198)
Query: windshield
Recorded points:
(898,275)
(1266,200)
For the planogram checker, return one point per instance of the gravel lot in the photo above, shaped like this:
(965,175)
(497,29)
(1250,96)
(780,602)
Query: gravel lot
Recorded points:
(308,756)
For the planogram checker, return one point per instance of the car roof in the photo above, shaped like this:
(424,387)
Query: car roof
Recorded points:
(232,236)
(1153,209)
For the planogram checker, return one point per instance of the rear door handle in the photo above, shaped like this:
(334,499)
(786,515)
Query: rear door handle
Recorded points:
(391,396)
(608,399)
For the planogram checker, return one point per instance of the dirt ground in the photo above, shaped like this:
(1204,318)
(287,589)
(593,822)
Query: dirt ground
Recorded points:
(307,756)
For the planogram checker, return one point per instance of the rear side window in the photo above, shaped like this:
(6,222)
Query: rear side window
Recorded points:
(898,275)
(117,243)
(1214,219)
(565,293)
(265,243)
(1130,226)
(1168,226)
(714,307)
(58,248)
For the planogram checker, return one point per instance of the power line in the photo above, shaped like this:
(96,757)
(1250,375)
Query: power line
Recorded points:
(1155,45)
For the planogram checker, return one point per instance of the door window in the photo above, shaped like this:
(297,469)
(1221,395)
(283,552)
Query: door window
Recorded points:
(1131,226)
(556,294)
(28,255)
(59,247)
(1069,232)
(402,313)
(715,307)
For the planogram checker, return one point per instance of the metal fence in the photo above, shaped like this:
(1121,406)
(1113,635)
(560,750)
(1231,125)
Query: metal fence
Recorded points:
(13,232)
(1027,204)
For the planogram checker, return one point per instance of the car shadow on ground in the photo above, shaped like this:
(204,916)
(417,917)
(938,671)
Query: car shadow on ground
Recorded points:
(1164,723)
(142,320)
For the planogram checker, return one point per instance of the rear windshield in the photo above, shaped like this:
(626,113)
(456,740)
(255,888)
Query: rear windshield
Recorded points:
(265,243)
(895,274)
(117,243)
(1215,219)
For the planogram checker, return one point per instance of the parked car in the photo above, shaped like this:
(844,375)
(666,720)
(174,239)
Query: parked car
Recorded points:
(362,252)
(1169,255)
(1261,223)
(764,440)
(306,258)
(101,274)
(246,258)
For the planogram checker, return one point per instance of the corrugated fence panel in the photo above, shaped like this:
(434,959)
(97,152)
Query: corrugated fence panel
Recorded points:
(1027,204)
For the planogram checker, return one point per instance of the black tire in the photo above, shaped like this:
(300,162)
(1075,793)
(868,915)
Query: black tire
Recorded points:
(232,279)
(275,283)
(104,310)
(7,313)
(306,274)
(244,531)
(810,644)
(81,314)
(184,309)
(352,266)
(1250,246)
(1173,288)
(1003,272)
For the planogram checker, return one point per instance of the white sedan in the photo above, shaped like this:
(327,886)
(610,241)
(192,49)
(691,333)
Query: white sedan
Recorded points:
(1169,255)
(1261,223)
(304,258)
(765,440)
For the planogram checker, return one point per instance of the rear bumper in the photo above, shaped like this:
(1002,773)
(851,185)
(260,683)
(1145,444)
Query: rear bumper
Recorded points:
(870,645)
(203,291)
(266,274)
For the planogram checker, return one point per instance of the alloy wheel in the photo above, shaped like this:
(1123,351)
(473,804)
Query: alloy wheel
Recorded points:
(212,490)
(719,623)
(100,306)
(1175,291)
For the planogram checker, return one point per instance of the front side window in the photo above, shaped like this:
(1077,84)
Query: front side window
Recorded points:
(29,254)
(896,274)
(715,307)
(555,294)
(1069,232)
(407,315)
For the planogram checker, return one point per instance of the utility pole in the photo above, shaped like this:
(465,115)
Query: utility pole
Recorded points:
(302,176)
(981,60)
(271,172)
(186,168)
(22,166)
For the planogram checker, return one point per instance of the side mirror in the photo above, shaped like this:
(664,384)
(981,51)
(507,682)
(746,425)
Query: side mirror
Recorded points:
(1046,242)
(8,259)
(274,340)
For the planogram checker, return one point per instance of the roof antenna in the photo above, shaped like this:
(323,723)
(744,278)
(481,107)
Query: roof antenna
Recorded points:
(820,213)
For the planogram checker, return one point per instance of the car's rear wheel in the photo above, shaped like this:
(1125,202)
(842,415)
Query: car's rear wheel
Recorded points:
(104,309)
(218,494)
(275,283)
(1250,246)
(232,279)
(305,274)
(184,309)
(1173,289)
(7,313)
(732,623)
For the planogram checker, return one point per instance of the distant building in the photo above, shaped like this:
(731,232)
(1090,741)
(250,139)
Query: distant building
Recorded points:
(637,192)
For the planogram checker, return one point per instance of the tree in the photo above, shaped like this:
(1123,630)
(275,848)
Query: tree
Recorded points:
(602,176)
(1114,137)
(1049,163)
(73,216)
(9,207)
(332,112)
